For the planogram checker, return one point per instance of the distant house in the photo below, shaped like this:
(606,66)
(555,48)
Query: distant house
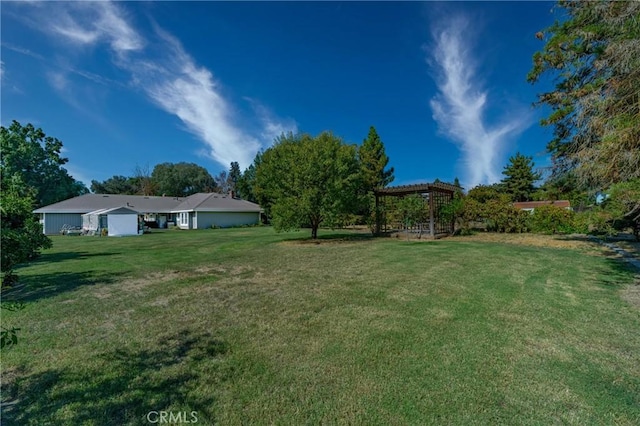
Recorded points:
(530,206)
(197,211)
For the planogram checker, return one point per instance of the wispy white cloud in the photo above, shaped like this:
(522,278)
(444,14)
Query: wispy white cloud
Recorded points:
(112,21)
(179,86)
(22,50)
(62,66)
(74,95)
(161,68)
(86,23)
(96,78)
(271,126)
(58,81)
(460,105)
(74,32)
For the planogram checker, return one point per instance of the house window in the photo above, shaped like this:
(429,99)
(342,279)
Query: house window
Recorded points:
(184,219)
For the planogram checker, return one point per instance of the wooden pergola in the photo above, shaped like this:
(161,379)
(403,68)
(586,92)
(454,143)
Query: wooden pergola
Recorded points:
(435,194)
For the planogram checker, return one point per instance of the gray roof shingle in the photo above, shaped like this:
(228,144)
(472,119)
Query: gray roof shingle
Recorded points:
(214,202)
(150,204)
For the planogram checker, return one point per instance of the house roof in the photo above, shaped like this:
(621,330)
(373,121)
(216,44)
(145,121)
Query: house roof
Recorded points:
(533,204)
(114,210)
(91,202)
(149,204)
(214,202)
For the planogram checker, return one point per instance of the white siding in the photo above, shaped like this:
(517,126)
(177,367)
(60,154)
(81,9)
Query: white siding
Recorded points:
(53,222)
(122,224)
(184,220)
(226,219)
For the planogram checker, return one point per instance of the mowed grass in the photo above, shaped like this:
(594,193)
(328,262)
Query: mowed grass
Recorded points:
(253,327)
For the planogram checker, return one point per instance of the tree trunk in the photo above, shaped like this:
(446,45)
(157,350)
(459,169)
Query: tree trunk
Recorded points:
(314,232)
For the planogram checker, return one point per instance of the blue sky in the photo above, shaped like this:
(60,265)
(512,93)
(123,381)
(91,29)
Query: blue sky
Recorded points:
(127,84)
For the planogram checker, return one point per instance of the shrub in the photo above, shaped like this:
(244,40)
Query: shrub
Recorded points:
(581,222)
(501,216)
(549,219)
(599,222)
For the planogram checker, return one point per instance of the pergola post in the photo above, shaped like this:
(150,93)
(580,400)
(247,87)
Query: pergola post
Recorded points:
(377,213)
(432,231)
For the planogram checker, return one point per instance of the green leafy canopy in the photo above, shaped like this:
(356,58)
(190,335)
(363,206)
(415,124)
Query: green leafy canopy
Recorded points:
(29,153)
(308,181)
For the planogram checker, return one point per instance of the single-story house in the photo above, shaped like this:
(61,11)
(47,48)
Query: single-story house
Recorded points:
(530,206)
(69,212)
(197,211)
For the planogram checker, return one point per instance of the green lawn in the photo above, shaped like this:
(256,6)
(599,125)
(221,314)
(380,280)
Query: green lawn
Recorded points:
(249,326)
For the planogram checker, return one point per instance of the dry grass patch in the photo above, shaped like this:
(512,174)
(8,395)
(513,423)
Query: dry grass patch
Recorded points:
(573,242)
(631,294)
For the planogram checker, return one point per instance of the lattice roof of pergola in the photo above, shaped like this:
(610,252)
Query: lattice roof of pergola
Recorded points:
(417,188)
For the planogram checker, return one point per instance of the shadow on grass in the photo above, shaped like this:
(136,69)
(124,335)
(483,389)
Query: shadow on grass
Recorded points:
(69,255)
(617,272)
(334,237)
(42,286)
(122,386)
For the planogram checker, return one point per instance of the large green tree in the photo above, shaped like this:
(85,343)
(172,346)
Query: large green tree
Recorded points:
(181,179)
(308,181)
(115,185)
(593,54)
(484,193)
(21,239)
(519,178)
(21,234)
(35,157)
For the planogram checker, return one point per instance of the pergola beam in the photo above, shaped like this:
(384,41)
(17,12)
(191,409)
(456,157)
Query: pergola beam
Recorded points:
(419,188)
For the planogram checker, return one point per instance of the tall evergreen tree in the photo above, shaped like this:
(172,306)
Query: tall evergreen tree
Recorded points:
(235,175)
(519,178)
(594,56)
(373,174)
(247,182)
(373,161)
